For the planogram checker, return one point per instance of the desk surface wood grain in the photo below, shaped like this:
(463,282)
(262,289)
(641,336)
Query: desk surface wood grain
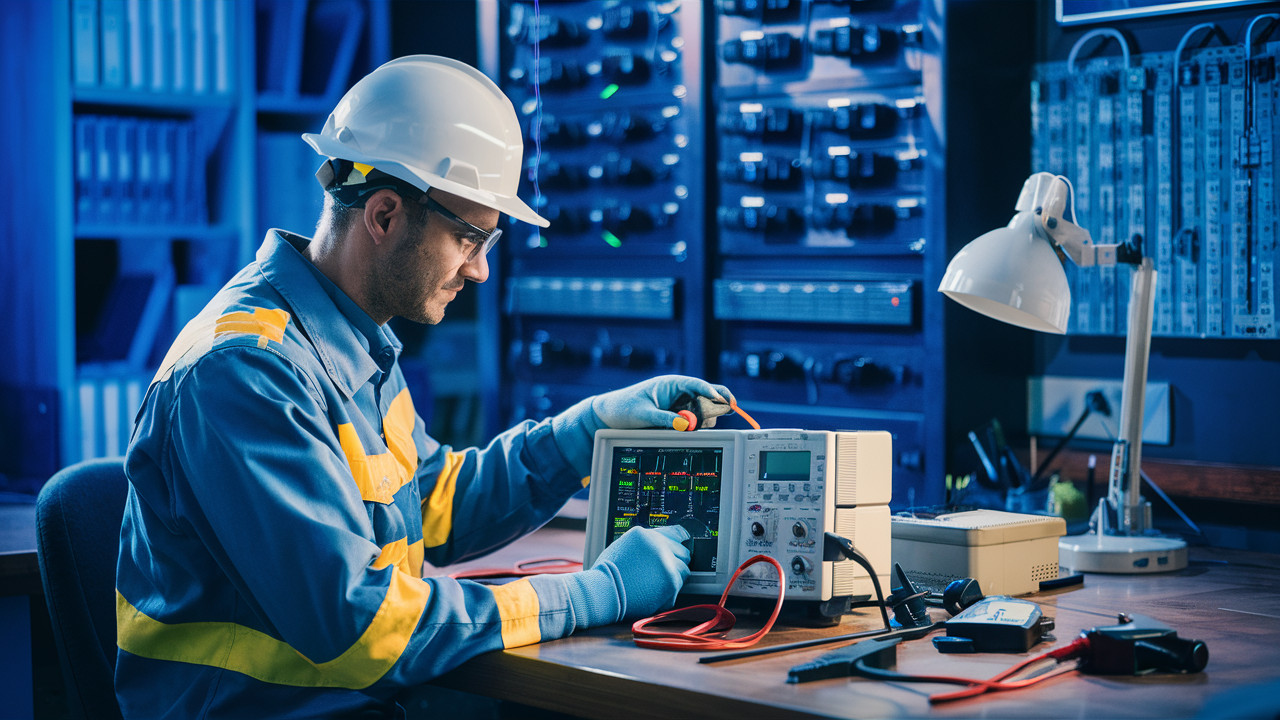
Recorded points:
(1228,599)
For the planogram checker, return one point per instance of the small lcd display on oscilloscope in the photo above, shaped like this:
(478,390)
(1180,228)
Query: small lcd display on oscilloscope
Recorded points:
(785,465)
(656,486)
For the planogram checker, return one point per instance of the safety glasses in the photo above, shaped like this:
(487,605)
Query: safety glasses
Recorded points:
(482,240)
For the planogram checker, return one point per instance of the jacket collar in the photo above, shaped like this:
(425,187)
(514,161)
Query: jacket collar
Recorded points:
(350,344)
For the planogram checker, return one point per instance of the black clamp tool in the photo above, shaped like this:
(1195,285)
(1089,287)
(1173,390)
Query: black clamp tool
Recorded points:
(1140,645)
(874,653)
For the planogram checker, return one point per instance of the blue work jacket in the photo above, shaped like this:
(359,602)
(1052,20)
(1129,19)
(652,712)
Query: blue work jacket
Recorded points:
(283,496)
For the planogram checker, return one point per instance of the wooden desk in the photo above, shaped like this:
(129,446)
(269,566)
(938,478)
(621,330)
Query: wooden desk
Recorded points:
(1228,599)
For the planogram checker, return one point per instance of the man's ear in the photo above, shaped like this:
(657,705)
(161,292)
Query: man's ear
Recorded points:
(382,211)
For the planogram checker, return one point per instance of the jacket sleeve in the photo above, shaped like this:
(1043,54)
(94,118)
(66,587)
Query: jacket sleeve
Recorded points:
(269,491)
(475,500)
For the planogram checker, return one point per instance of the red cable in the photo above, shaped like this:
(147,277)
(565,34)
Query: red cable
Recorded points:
(733,405)
(1001,681)
(707,634)
(524,568)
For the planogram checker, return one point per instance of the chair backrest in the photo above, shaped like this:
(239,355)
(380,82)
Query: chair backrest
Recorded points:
(78,516)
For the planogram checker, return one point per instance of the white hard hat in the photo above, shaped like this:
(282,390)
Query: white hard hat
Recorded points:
(432,122)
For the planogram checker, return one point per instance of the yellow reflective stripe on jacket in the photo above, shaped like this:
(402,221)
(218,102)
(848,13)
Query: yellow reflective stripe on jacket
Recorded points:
(262,657)
(404,555)
(381,476)
(518,607)
(437,508)
(397,430)
(393,553)
(262,322)
(378,476)
(414,561)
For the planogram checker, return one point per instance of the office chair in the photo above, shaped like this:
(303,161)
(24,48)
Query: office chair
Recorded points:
(78,516)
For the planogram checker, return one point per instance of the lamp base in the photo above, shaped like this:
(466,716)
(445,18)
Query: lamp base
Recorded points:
(1125,554)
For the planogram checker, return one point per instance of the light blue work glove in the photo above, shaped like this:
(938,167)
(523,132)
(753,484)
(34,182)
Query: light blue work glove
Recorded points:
(643,405)
(646,404)
(638,575)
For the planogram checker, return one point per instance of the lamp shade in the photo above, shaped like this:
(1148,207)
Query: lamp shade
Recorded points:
(1012,274)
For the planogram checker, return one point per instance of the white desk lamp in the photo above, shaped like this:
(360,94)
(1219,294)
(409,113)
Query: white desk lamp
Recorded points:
(1015,274)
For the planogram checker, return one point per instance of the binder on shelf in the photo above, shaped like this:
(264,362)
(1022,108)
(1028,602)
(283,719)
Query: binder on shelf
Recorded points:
(86,168)
(199,178)
(182,171)
(165,131)
(104,186)
(201,53)
(189,191)
(145,147)
(222,37)
(159,34)
(109,400)
(138,43)
(90,442)
(114,35)
(111,409)
(84,42)
(179,29)
(126,158)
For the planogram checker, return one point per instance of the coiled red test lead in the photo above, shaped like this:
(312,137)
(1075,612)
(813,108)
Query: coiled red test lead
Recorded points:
(709,633)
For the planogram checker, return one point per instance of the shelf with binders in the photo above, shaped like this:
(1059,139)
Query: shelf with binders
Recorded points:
(158,203)
(154,174)
(134,293)
(179,47)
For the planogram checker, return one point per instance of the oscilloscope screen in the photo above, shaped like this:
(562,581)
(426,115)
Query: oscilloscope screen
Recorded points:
(657,486)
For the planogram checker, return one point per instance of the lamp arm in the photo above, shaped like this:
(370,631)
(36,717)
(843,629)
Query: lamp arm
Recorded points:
(1133,515)
(1049,197)
(1077,243)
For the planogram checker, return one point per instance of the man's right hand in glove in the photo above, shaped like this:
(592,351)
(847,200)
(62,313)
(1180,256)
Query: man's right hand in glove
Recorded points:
(636,576)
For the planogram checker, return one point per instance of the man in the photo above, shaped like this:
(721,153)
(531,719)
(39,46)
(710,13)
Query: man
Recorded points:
(283,490)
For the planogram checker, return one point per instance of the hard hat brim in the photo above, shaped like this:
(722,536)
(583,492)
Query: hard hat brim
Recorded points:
(424,181)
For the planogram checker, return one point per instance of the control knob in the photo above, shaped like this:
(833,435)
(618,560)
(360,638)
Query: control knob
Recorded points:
(801,565)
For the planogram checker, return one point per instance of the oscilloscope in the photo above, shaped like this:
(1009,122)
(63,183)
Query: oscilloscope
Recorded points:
(742,493)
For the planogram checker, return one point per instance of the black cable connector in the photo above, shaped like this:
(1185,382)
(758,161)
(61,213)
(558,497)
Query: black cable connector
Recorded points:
(835,547)
(909,607)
